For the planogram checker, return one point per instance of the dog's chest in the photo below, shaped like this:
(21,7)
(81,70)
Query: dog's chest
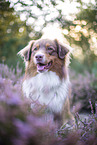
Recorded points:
(47,89)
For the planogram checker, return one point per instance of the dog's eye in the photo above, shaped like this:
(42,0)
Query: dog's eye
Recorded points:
(36,48)
(50,48)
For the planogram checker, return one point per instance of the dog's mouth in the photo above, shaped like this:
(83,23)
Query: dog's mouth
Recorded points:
(42,67)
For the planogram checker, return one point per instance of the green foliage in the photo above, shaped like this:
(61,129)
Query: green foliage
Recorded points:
(82,32)
(15,34)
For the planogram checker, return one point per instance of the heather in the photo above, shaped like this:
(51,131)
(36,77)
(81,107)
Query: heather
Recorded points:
(84,88)
(21,125)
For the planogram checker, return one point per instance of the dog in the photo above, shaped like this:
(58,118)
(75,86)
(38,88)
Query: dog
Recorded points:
(46,76)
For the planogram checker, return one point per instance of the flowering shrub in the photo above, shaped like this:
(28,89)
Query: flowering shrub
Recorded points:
(18,124)
(21,125)
(84,88)
(10,73)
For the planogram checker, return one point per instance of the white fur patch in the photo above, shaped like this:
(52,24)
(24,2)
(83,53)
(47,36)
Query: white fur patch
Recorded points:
(48,89)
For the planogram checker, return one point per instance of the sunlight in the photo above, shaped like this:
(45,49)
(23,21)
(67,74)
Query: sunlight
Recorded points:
(21,29)
(65,31)
(94,39)
(78,53)
(85,32)
(83,22)
(95,52)
(77,28)
(53,32)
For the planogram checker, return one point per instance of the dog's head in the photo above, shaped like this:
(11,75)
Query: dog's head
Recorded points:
(46,54)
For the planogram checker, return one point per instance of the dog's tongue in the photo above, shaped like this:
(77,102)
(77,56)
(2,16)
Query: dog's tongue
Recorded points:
(40,67)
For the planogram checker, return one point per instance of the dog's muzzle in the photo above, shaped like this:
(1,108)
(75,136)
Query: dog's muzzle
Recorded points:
(42,66)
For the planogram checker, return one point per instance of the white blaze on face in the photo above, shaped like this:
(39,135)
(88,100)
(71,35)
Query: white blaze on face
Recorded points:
(39,53)
(40,61)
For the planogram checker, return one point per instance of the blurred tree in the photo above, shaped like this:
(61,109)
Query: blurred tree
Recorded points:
(14,33)
(80,31)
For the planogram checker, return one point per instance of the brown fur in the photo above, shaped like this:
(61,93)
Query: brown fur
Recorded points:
(66,114)
(31,70)
(58,65)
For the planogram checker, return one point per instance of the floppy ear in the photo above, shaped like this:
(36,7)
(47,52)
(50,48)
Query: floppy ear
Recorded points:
(62,50)
(26,51)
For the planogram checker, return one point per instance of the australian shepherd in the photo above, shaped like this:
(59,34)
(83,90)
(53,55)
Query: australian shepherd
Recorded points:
(46,76)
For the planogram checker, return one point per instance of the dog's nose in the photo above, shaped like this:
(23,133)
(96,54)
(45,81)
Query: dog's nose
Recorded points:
(39,57)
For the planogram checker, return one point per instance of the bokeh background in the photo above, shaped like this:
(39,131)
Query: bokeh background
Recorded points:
(73,22)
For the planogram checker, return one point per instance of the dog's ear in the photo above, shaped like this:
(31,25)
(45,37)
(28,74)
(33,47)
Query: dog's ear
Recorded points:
(62,50)
(26,51)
